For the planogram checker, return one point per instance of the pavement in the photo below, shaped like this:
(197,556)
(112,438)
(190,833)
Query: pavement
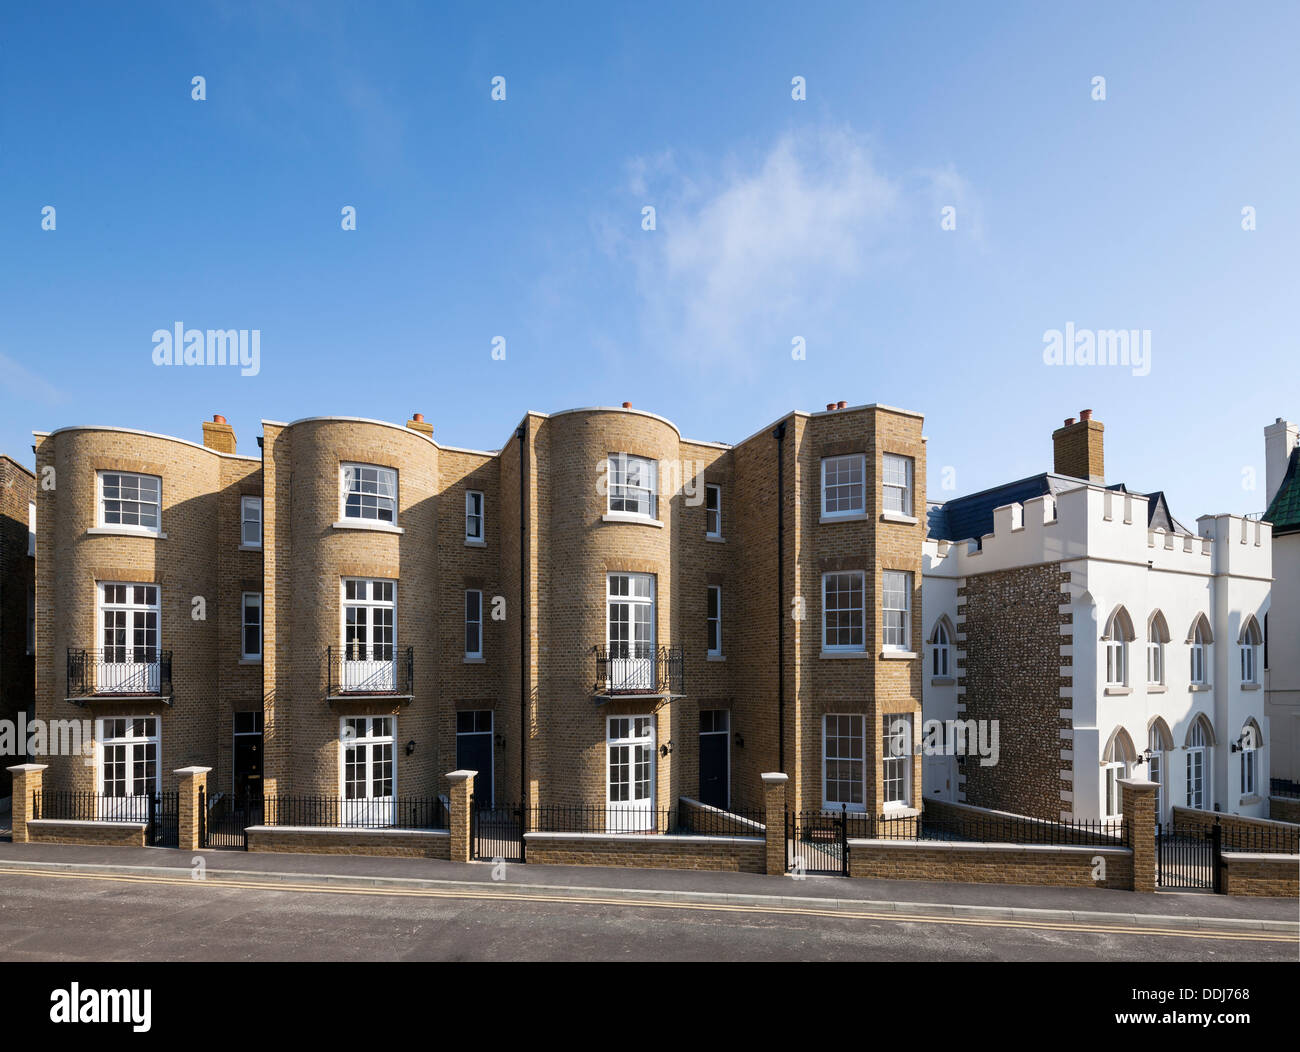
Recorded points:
(1048,907)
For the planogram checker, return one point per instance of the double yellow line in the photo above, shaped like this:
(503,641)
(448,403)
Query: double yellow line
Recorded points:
(501,895)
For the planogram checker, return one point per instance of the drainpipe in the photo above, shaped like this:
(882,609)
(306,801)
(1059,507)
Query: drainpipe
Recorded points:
(522,434)
(779,434)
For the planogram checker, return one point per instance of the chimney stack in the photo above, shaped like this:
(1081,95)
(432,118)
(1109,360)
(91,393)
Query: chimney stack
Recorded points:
(1077,449)
(218,434)
(416,423)
(830,407)
(1280,438)
(841,405)
(627,405)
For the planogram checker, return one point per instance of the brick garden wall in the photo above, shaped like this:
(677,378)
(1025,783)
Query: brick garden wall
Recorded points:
(1261,875)
(1039,865)
(392,843)
(725,854)
(100,834)
(1284,808)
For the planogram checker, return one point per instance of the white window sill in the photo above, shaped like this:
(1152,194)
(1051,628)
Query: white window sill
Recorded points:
(898,655)
(475,660)
(623,516)
(1113,691)
(1250,686)
(898,516)
(1199,688)
(367,524)
(475,544)
(716,657)
(849,516)
(250,661)
(1157,688)
(1249,801)
(892,812)
(715,538)
(843,653)
(126,531)
(942,681)
(250,547)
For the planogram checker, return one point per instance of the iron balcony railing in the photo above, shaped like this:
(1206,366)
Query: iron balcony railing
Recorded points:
(108,671)
(363,670)
(638,668)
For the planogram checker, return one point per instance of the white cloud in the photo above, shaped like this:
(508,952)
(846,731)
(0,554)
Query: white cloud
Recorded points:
(21,382)
(738,265)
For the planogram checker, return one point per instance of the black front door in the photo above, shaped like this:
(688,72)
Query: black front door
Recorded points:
(248,754)
(714,787)
(474,751)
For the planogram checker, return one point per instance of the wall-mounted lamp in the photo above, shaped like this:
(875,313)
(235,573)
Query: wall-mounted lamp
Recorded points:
(501,741)
(666,747)
(740,740)
(410,747)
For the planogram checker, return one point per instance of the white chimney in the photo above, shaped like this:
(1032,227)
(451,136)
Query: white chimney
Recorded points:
(1279,439)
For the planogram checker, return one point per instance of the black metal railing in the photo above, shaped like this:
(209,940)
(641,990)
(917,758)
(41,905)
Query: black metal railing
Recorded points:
(1263,840)
(638,668)
(1283,787)
(989,829)
(285,809)
(109,671)
(636,819)
(159,811)
(365,670)
(225,818)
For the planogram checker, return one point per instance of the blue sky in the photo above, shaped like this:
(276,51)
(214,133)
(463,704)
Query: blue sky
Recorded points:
(775,219)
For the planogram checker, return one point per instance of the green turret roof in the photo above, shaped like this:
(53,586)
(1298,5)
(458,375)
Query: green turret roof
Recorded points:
(1284,512)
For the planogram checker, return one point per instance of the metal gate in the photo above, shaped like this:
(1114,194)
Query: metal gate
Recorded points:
(164,829)
(497,833)
(817,842)
(224,823)
(1188,858)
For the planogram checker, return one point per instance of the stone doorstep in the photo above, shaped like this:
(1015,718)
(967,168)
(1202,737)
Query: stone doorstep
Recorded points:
(651,838)
(961,845)
(347,832)
(928,909)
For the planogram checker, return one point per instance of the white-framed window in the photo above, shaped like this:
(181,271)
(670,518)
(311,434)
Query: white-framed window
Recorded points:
(250,522)
(1199,652)
(896,758)
(1155,660)
(1156,767)
(369,634)
(941,651)
(712,510)
(128,769)
(1198,765)
(896,610)
(1114,804)
(844,611)
(633,485)
(715,620)
(1251,740)
(368,769)
(1119,631)
(129,501)
(896,483)
(630,631)
(31,527)
(474,517)
(844,485)
(844,769)
(473,623)
(128,625)
(630,766)
(251,633)
(31,620)
(368,493)
(1249,649)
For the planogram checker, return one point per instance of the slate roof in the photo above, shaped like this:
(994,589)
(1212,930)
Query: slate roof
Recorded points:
(1284,511)
(971,517)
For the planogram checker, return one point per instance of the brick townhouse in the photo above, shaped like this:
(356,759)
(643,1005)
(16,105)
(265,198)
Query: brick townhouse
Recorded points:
(1106,639)
(17,601)
(601,612)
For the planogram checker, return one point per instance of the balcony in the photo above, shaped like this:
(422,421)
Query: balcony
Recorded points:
(119,673)
(355,672)
(631,669)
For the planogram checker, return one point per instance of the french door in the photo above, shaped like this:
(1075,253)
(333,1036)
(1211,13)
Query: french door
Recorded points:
(128,767)
(630,793)
(369,636)
(631,632)
(369,775)
(128,615)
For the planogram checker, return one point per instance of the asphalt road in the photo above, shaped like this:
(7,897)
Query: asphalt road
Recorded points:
(75,919)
